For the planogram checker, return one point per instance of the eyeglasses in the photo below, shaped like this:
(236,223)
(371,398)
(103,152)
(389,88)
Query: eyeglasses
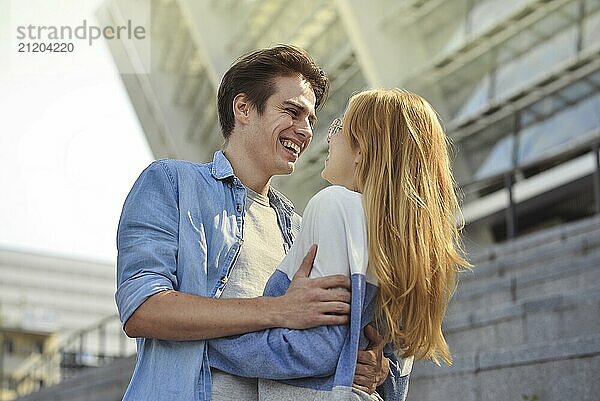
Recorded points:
(334,128)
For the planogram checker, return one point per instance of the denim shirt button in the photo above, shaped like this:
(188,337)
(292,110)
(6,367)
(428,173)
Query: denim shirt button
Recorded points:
(239,208)
(224,279)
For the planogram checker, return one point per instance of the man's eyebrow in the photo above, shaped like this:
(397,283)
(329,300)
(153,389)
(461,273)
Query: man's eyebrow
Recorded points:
(303,108)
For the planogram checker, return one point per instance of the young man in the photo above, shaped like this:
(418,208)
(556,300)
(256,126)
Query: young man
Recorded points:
(188,229)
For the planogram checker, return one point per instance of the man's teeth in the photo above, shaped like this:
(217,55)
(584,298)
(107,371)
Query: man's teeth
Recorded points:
(292,145)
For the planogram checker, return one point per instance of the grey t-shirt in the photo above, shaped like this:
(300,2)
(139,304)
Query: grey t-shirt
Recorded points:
(260,254)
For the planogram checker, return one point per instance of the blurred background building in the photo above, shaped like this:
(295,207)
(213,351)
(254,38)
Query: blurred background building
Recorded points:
(517,85)
(57,320)
(515,82)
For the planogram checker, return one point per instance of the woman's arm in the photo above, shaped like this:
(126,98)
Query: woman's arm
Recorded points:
(395,386)
(336,225)
(280,353)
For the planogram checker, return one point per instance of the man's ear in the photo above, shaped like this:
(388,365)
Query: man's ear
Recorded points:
(241,108)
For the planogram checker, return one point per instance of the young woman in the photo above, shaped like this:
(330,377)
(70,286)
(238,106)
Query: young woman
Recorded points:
(389,222)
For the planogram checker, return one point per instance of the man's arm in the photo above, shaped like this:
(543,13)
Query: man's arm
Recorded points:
(173,315)
(149,304)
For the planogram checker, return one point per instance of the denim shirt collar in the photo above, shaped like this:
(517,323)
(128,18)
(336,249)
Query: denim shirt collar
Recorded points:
(222,169)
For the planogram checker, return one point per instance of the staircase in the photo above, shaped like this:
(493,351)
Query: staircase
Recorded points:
(82,367)
(105,383)
(525,323)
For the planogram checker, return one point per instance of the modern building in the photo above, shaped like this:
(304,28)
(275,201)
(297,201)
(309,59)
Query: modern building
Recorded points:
(516,83)
(19,348)
(517,86)
(57,316)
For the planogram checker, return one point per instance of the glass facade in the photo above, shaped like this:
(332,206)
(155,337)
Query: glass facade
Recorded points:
(516,83)
(560,118)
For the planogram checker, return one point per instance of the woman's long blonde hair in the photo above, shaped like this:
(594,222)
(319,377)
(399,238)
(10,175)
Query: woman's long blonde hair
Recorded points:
(411,209)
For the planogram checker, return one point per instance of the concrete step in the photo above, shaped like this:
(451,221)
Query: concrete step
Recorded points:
(576,238)
(522,321)
(546,369)
(547,317)
(574,273)
(106,383)
(542,239)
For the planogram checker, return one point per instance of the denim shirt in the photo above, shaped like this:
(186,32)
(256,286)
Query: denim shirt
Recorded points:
(181,229)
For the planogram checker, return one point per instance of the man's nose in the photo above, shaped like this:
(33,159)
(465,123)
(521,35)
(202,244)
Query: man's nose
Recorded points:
(304,128)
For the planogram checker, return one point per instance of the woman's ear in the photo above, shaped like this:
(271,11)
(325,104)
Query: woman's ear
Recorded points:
(357,157)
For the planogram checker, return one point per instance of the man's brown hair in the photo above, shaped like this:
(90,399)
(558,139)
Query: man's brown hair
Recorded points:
(254,74)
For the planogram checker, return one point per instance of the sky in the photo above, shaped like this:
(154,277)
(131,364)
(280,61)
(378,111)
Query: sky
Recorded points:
(71,145)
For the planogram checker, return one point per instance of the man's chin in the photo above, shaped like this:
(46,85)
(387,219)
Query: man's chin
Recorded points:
(288,169)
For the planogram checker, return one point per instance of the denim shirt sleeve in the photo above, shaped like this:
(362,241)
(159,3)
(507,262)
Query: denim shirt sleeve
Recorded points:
(147,240)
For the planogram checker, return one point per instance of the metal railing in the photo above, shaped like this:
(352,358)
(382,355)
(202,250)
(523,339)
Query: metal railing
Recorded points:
(508,178)
(83,349)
